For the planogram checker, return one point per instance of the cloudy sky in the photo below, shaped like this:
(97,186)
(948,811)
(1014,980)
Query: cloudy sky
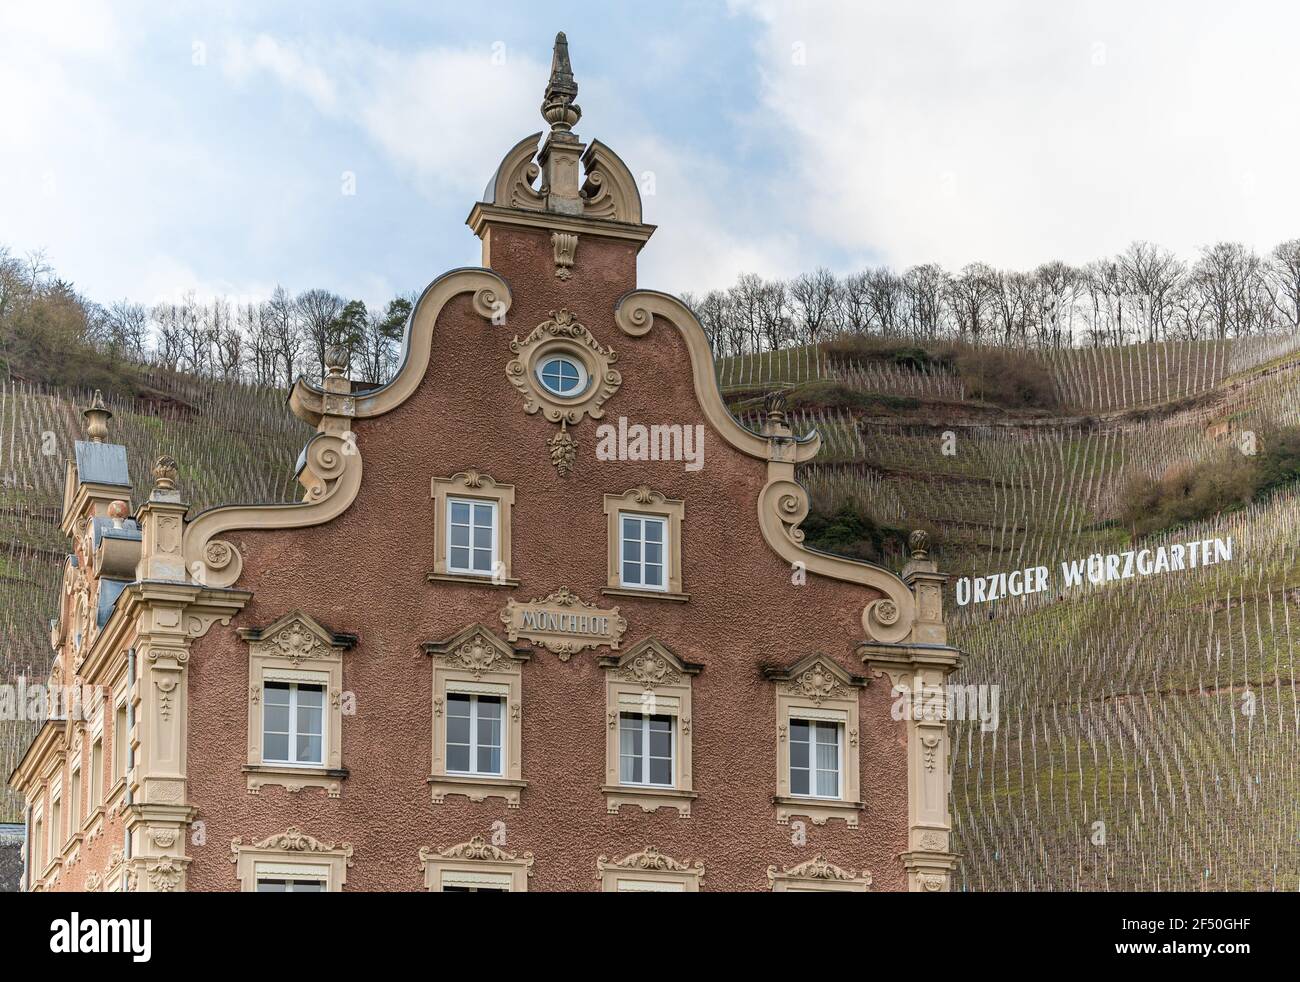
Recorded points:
(154,148)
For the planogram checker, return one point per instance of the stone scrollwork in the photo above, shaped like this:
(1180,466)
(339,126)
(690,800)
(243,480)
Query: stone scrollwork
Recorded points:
(818,874)
(563,334)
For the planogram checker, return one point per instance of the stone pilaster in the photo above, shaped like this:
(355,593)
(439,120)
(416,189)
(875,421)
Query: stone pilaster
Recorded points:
(918,669)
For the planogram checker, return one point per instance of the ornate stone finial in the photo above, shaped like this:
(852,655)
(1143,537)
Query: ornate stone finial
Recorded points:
(164,473)
(117,512)
(337,360)
(97,416)
(774,406)
(919,540)
(558,107)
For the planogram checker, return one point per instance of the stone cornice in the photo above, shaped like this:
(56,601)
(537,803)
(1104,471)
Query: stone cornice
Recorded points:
(483,214)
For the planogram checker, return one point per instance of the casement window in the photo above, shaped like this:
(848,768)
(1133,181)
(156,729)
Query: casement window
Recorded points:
(74,801)
(477,717)
(475,733)
(817,772)
(472,536)
(97,772)
(641,551)
(648,871)
(816,755)
(296,705)
(293,723)
(648,747)
(290,862)
(476,866)
(284,884)
(816,875)
(472,529)
(645,544)
(121,740)
(56,838)
(37,860)
(493,883)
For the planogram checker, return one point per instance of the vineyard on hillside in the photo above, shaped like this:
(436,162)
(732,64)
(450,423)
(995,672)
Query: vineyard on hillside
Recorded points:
(1149,731)
(232,443)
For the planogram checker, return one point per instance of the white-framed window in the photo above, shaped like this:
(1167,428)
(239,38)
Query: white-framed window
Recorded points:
(74,802)
(816,758)
(471,536)
(642,543)
(293,723)
(647,749)
(272,884)
(290,862)
(458,881)
(97,772)
(562,376)
(121,740)
(475,734)
(54,842)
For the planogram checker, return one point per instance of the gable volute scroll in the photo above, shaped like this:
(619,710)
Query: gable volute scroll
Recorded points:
(330,466)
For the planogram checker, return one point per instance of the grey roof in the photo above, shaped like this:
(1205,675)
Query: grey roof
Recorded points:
(104,528)
(109,591)
(102,463)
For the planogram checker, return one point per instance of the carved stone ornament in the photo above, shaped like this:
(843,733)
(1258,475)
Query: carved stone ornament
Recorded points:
(298,642)
(291,839)
(563,623)
(817,684)
(649,859)
(478,849)
(817,868)
(475,654)
(650,669)
(565,247)
(563,335)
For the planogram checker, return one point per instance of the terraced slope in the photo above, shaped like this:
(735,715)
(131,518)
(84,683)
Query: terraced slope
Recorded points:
(232,443)
(1149,730)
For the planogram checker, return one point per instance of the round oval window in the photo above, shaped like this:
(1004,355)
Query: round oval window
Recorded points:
(562,376)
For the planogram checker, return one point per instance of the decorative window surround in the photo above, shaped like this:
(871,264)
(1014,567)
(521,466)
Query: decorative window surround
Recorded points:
(817,876)
(475,863)
(477,662)
(291,854)
(649,678)
(817,688)
(648,871)
(643,501)
(296,648)
(472,484)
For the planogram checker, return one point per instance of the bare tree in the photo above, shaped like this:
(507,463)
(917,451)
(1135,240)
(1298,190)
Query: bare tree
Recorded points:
(1151,276)
(774,314)
(1286,274)
(884,299)
(814,297)
(855,302)
(280,320)
(923,291)
(318,312)
(1234,288)
(970,294)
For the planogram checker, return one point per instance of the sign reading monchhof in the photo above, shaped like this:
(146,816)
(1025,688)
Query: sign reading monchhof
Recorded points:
(563,623)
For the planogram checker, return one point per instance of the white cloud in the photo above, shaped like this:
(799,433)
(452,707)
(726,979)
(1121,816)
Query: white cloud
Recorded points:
(444,116)
(1016,133)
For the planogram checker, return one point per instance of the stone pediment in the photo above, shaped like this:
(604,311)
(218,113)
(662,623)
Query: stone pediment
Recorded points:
(298,637)
(474,649)
(815,677)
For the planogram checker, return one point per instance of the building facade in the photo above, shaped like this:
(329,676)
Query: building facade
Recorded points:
(542,620)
